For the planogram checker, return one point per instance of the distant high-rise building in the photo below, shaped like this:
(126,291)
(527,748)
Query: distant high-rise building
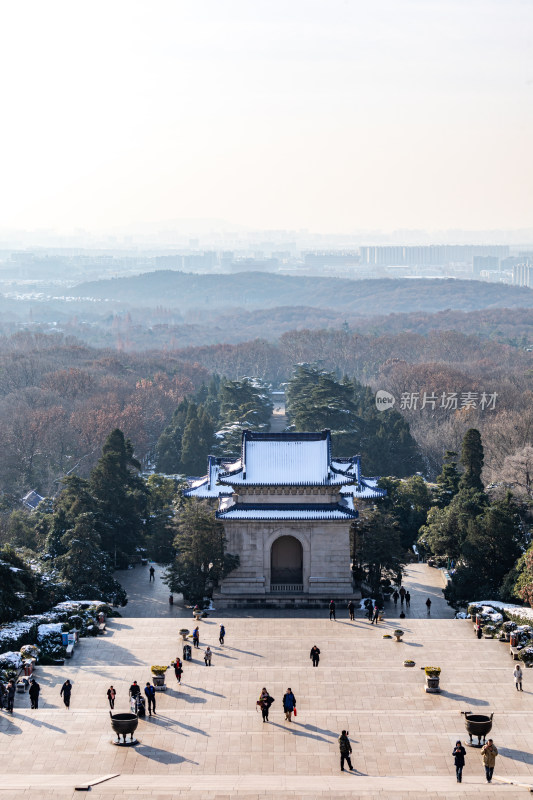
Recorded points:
(523,275)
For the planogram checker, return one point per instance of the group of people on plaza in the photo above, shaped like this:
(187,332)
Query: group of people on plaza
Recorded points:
(289,704)
(488,754)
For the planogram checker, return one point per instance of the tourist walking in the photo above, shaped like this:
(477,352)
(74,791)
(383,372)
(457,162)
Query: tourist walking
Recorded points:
(517,675)
(178,670)
(149,691)
(134,690)
(289,704)
(351,610)
(264,702)
(3,696)
(65,692)
(370,610)
(345,749)
(332,610)
(395,597)
(111,694)
(402,595)
(459,754)
(315,655)
(428,605)
(408,599)
(196,637)
(375,615)
(221,634)
(34,693)
(489,753)
(10,696)
(207,656)
(152,575)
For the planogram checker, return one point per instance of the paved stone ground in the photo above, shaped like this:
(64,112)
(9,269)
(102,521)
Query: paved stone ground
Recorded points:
(208,740)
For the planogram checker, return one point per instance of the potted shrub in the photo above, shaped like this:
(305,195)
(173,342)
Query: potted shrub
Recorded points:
(408,662)
(526,655)
(387,636)
(158,675)
(398,634)
(432,679)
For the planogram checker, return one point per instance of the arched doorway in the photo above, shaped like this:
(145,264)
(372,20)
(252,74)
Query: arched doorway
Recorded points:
(286,561)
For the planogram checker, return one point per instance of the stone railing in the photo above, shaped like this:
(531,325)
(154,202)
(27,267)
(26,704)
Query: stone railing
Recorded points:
(286,587)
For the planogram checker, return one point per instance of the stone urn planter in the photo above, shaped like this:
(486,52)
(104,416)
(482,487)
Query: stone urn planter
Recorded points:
(158,678)
(398,634)
(184,632)
(432,679)
(124,724)
(197,613)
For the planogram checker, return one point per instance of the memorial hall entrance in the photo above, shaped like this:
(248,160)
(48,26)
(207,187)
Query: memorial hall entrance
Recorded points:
(286,565)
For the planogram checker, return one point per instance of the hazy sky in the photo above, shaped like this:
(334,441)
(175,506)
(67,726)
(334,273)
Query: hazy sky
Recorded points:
(331,115)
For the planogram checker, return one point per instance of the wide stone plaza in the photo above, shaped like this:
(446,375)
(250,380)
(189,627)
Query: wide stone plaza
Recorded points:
(208,741)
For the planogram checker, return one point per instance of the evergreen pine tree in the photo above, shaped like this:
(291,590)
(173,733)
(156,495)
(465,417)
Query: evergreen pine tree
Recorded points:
(120,497)
(472,461)
(448,480)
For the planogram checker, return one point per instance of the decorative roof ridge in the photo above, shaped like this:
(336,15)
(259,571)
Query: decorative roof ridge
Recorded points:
(290,507)
(287,436)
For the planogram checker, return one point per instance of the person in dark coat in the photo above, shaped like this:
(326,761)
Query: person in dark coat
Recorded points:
(135,689)
(345,750)
(264,702)
(315,655)
(152,575)
(149,691)
(10,692)
(178,670)
(351,610)
(34,693)
(332,610)
(408,599)
(111,694)
(222,634)
(459,754)
(289,704)
(3,696)
(65,692)
(395,596)
(428,605)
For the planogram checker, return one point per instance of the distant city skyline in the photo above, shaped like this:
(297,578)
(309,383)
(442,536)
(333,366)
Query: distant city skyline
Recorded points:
(314,116)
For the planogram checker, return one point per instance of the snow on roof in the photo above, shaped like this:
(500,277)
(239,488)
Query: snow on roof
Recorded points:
(288,511)
(32,500)
(297,459)
(208,486)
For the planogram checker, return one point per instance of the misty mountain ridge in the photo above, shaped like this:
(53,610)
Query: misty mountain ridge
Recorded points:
(249,290)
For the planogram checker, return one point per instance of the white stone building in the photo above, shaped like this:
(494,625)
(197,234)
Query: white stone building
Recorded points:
(287,507)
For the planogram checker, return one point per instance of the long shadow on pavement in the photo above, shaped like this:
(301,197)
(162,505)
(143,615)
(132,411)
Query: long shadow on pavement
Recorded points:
(162,756)
(295,732)
(471,700)
(206,691)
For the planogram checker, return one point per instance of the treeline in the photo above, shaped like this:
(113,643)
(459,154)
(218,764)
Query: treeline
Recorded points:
(59,399)
(483,537)
(316,400)
(211,423)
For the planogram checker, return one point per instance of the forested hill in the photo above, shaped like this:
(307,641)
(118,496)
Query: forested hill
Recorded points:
(266,290)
